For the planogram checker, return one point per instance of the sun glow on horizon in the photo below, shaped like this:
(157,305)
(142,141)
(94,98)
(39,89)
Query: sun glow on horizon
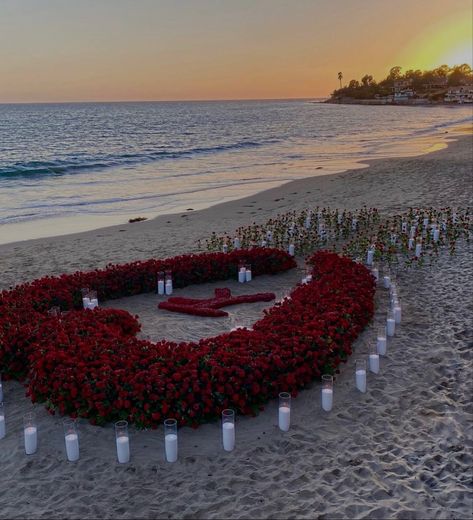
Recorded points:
(448,42)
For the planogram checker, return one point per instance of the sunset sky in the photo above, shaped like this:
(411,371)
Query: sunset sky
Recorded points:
(110,50)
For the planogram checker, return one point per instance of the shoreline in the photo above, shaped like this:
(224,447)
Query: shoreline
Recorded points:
(402,450)
(170,234)
(65,226)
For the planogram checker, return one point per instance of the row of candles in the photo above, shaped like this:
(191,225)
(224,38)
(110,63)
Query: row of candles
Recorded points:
(164,285)
(122,439)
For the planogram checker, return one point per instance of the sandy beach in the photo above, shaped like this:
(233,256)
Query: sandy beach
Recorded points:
(402,450)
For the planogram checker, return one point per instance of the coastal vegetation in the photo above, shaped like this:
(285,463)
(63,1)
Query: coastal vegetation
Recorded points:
(428,84)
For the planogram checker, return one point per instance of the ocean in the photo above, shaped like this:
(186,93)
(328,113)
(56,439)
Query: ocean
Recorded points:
(86,165)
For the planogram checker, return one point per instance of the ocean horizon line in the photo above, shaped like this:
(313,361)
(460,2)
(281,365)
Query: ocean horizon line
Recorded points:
(84,102)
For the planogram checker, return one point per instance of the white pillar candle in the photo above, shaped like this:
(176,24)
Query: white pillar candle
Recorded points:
(386,281)
(327,399)
(361,379)
(228,433)
(413,231)
(390,326)
(225,248)
(269,235)
(284,418)
(426,222)
(168,287)
(161,287)
(93,303)
(410,244)
(264,243)
(236,243)
(307,223)
(291,249)
(354,223)
(242,275)
(374,362)
(123,449)
(170,446)
(72,447)
(404,227)
(339,218)
(381,344)
(309,278)
(85,302)
(248,275)
(418,248)
(31,439)
(397,314)
(369,257)
(436,234)
(304,280)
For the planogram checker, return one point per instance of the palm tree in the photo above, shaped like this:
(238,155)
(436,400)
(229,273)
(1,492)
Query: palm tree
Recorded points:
(340,77)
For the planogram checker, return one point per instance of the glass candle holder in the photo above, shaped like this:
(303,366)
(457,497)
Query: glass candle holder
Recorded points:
(397,310)
(170,439)
(93,300)
(2,420)
(30,433)
(291,249)
(248,272)
(168,287)
(386,278)
(373,359)
(327,392)
(228,429)
(71,438)
(236,243)
(160,283)
(225,248)
(360,375)
(370,256)
(418,251)
(122,441)
(85,297)
(284,411)
(381,341)
(390,324)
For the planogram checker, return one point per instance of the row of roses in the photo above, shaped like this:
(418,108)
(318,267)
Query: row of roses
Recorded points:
(91,364)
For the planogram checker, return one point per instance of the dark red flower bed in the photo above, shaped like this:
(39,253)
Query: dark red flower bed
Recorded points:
(90,363)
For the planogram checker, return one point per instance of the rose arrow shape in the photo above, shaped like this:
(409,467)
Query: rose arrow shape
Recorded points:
(211,306)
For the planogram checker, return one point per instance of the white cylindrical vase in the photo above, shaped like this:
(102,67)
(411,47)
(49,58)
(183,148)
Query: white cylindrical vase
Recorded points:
(284,416)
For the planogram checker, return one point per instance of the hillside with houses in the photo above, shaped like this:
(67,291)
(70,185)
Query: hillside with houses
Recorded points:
(443,85)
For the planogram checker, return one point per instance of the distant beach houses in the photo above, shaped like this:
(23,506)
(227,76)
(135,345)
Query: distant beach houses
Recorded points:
(460,95)
(443,85)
